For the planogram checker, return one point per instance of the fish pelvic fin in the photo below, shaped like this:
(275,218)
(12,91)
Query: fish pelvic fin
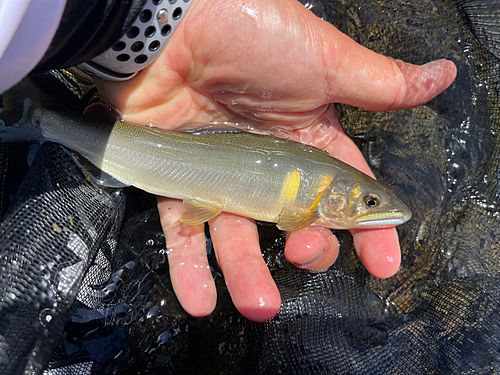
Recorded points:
(197,211)
(292,220)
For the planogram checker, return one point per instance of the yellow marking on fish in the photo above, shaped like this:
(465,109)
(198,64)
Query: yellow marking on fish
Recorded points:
(324,183)
(355,194)
(290,186)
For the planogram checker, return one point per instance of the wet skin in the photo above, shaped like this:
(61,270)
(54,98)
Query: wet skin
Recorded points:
(268,64)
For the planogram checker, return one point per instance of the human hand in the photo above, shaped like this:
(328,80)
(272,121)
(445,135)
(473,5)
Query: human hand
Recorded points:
(271,64)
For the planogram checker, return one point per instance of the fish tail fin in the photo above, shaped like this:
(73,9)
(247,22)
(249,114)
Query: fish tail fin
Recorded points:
(18,108)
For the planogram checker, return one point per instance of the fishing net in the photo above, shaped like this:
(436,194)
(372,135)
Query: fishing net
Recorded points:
(84,281)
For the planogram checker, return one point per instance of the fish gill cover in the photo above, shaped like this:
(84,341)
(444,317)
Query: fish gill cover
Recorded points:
(84,281)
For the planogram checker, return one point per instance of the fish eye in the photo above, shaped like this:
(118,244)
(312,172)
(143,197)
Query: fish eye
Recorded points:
(371,200)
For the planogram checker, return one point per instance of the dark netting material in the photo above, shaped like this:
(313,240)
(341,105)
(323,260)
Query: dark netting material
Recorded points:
(438,315)
(49,238)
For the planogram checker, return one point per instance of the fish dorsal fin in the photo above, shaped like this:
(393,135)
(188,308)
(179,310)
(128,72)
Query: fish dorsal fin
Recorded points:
(291,220)
(197,211)
(213,128)
(93,173)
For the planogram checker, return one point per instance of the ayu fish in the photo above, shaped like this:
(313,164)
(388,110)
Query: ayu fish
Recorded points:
(259,176)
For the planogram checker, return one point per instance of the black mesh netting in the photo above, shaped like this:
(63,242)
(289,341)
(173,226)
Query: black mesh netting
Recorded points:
(51,242)
(74,301)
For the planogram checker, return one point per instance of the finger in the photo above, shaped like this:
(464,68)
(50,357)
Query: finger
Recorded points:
(187,258)
(252,289)
(313,248)
(378,250)
(360,77)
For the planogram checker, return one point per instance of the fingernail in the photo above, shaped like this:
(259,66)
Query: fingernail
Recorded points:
(310,261)
(436,65)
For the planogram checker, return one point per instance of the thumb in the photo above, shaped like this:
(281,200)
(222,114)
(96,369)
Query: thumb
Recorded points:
(360,77)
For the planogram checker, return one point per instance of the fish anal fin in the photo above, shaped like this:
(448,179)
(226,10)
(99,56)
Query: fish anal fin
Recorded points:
(197,211)
(292,220)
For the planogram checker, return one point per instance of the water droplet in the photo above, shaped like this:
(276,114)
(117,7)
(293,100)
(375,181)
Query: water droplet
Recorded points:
(280,133)
(164,338)
(153,312)
(116,276)
(109,288)
(45,317)
(166,251)
(307,139)
(321,127)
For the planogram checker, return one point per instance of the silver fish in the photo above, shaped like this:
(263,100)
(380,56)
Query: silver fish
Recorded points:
(258,176)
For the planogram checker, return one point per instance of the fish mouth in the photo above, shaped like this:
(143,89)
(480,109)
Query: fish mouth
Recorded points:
(383,219)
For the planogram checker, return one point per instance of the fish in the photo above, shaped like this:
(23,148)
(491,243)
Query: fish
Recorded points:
(217,169)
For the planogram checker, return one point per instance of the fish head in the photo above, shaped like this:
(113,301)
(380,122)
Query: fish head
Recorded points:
(364,203)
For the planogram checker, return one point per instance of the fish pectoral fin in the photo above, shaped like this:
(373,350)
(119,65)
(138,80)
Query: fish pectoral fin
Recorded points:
(291,220)
(197,211)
